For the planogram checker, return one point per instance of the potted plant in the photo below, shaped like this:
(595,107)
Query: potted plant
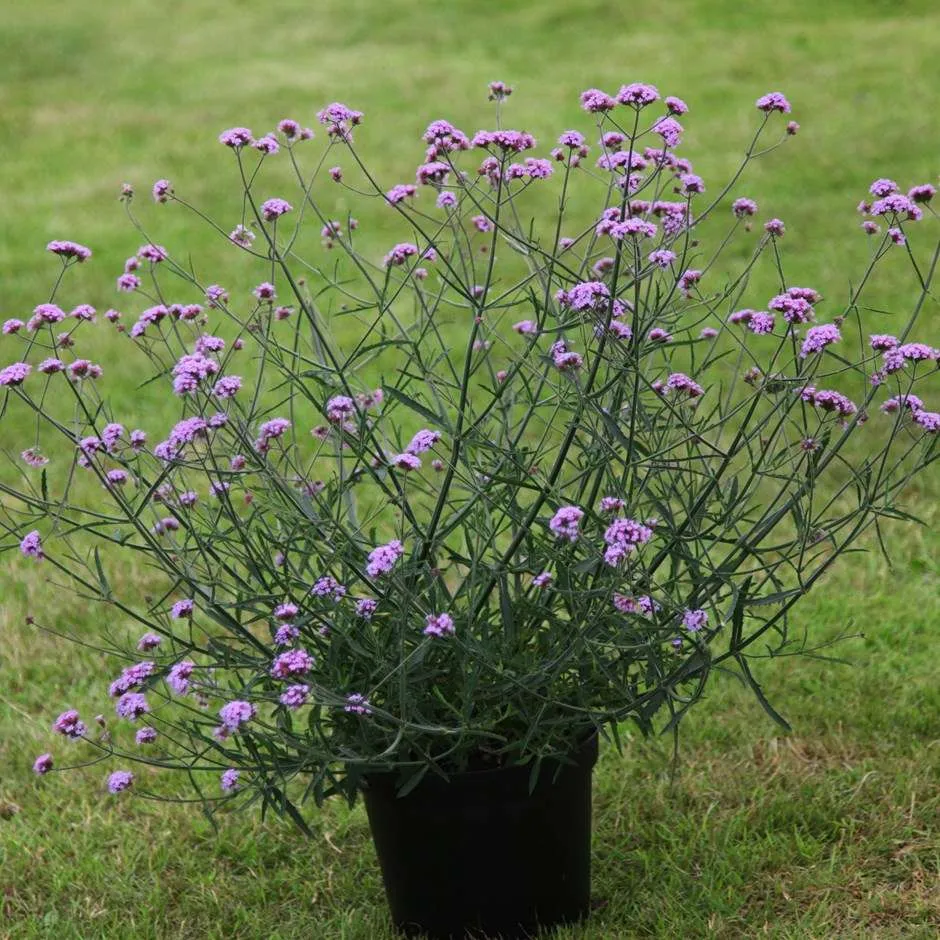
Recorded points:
(424,523)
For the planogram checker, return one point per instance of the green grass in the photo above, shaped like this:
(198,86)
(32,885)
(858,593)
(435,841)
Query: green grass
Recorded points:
(830,832)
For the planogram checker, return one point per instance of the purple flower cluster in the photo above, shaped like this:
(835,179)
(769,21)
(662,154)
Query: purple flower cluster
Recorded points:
(296,662)
(438,625)
(818,338)
(69,251)
(622,537)
(357,704)
(295,696)
(235,714)
(564,524)
(830,401)
(383,558)
(70,725)
(120,780)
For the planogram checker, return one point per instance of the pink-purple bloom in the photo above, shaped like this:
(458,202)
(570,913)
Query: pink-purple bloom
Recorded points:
(296,662)
(120,780)
(383,558)
(42,764)
(564,524)
(438,625)
(69,724)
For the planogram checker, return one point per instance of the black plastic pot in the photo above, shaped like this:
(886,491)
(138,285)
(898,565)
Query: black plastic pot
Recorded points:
(478,855)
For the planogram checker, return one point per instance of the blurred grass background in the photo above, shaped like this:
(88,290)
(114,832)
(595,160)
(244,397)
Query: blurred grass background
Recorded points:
(829,832)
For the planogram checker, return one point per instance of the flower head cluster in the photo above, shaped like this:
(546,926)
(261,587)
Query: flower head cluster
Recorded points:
(622,537)
(383,558)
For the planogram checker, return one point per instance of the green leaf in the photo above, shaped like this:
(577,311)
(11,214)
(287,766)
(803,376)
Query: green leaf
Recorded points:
(102,580)
(416,406)
(759,692)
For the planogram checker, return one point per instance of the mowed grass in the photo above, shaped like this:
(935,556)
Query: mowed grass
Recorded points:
(831,831)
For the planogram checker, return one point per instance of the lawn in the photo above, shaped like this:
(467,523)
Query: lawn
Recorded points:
(831,831)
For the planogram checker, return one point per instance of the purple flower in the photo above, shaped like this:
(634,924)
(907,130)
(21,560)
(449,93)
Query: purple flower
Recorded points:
(676,105)
(236,137)
(120,780)
(795,309)
(708,332)
(69,250)
(423,441)
(227,387)
(526,328)
(399,254)
(682,383)
(438,625)
(637,94)
(670,130)
(235,714)
(588,295)
(883,187)
(365,608)
(923,192)
(818,337)
(42,764)
(132,705)
(178,678)
(265,291)
(33,457)
(662,258)
(269,431)
(405,462)
(229,780)
(12,326)
(357,704)
(183,608)
(292,663)
(611,504)
(328,586)
(31,546)
(401,192)
(286,611)
(829,401)
(775,227)
(916,352)
(162,190)
(130,678)
(658,335)
(69,724)
(339,408)
(565,523)
(14,374)
(216,295)
(383,558)
(593,101)
(152,253)
(285,634)
(773,101)
(273,209)
(623,536)
(294,696)
(761,322)
(543,580)
(883,341)
(893,405)
(146,736)
(744,207)
(928,420)
(267,145)
(148,642)
(694,620)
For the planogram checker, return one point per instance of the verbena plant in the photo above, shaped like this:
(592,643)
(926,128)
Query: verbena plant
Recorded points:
(465,504)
